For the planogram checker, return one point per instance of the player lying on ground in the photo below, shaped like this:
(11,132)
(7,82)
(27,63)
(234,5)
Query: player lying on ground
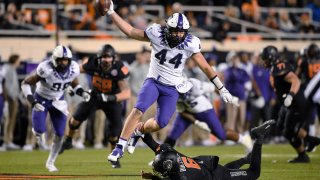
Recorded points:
(171,165)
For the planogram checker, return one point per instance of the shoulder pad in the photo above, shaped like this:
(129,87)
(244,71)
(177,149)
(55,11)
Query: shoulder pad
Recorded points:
(75,66)
(44,69)
(281,69)
(153,31)
(123,70)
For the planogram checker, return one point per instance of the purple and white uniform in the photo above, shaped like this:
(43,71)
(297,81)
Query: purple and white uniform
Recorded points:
(196,103)
(164,78)
(51,88)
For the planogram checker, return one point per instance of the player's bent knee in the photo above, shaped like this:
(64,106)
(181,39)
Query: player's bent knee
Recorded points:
(74,127)
(113,140)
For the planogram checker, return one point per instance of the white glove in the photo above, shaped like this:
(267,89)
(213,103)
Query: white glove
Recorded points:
(38,107)
(86,96)
(288,100)
(225,95)
(202,125)
(235,101)
(110,10)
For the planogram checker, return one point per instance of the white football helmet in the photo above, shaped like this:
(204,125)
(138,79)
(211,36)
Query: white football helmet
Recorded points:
(178,22)
(59,53)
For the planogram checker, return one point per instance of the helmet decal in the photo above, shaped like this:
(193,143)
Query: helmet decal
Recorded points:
(180,21)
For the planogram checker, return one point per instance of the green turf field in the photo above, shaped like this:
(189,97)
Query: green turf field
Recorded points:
(91,164)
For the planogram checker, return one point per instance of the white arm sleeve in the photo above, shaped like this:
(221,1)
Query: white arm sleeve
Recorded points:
(26,89)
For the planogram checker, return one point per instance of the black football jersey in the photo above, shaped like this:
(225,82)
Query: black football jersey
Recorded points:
(106,82)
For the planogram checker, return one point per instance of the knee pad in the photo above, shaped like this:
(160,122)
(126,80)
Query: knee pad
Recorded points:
(74,127)
(113,140)
(295,142)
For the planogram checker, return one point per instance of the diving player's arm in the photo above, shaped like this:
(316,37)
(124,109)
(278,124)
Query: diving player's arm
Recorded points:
(127,29)
(125,91)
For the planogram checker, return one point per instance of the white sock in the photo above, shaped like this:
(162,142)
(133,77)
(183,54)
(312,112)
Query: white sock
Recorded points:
(240,138)
(54,151)
(312,129)
(123,142)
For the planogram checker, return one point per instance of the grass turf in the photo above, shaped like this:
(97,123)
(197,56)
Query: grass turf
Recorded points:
(92,164)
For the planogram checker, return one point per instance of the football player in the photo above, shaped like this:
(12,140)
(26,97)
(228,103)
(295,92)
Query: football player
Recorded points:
(171,46)
(51,78)
(171,165)
(110,88)
(194,106)
(294,113)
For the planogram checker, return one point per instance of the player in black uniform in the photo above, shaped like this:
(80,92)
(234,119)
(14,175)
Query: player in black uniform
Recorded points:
(172,165)
(293,117)
(109,88)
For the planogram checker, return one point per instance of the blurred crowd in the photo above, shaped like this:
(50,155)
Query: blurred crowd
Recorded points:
(239,70)
(70,18)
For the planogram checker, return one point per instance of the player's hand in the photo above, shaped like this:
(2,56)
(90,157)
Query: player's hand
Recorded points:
(37,106)
(147,175)
(288,100)
(86,96)
(110,10)
(202,125)
(235,101)
(225,95)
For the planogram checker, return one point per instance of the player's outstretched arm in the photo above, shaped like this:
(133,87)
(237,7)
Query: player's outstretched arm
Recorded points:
(124,26)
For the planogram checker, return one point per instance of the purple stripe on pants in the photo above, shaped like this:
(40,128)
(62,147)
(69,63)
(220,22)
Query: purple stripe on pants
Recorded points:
(166,97)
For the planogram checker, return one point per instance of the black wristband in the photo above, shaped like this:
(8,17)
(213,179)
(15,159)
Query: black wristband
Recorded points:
(31,99)
(79,91)
(292,93)
(112,98)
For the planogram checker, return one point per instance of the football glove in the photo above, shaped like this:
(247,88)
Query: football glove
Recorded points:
(202,125)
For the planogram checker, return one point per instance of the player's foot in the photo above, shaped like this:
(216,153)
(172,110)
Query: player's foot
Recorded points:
(300,159)
(116,154)
(51,167)
(311,147)
(115,164)
(67,144)
(133,141)
(247,143)
(260,131)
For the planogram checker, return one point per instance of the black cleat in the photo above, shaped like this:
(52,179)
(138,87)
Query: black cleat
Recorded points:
(260,131)
(300,159)
(115,164)
(311,147)
(67,144)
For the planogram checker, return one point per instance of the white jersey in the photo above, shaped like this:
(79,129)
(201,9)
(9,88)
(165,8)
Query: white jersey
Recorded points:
(168,63)
(53,83)
(312,90)
(195,101)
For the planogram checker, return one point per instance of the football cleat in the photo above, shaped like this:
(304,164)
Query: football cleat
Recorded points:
(67,144)
(116,154)
(51,167)
(260,131)
(115,164)
(300,159)
(311,147)
(133,141)
(247,143)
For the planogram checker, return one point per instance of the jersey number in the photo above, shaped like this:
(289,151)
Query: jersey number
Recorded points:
(59,86)
(101,84)
(190,163)
(162,58)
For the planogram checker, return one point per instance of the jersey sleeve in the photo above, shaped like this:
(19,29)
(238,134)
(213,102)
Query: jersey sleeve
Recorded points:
(43,70)
(195,46)
(281,69)
(123,70)
(153,32)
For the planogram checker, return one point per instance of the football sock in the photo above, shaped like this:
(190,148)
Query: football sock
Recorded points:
(56,146)
(150,142)
(255,164)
